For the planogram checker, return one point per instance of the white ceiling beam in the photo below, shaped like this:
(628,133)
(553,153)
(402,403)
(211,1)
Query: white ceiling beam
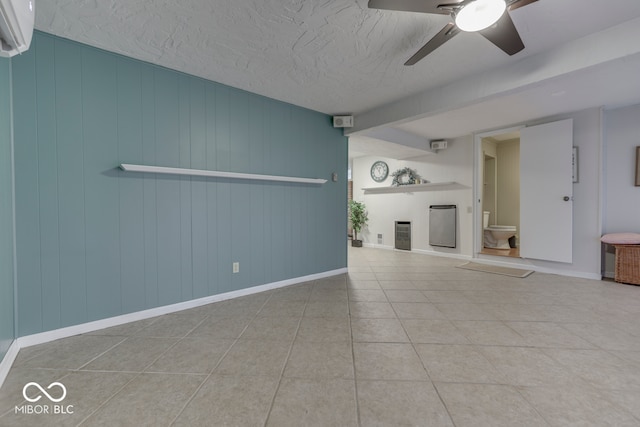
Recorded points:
(613,44)
(400,137)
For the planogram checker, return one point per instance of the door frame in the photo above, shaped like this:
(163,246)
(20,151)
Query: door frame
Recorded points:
(478,165)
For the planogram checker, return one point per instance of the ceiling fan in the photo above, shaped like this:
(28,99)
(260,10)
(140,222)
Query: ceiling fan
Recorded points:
(488,17)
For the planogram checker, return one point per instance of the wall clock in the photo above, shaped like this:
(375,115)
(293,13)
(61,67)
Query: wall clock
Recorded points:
(379,171)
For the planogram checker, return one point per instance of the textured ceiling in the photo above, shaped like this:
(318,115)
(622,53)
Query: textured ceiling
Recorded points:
(330,56)
(339,57)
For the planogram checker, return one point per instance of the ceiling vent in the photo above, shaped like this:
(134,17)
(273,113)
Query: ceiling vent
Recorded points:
(17,18)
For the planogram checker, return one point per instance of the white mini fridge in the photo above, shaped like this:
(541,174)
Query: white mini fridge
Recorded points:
(442,225)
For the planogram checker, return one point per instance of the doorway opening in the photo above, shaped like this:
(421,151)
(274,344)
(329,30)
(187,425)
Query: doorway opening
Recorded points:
(500,194)
(542,187)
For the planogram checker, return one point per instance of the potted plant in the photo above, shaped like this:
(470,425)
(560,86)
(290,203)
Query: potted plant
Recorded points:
(358,218)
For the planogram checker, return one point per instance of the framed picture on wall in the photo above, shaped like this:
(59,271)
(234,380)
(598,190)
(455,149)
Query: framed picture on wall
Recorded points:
(574,164)
(637,166)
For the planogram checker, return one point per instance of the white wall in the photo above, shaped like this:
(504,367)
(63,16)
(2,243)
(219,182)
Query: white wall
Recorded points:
(453,164)
(587,218)
(622,199)
(621,207)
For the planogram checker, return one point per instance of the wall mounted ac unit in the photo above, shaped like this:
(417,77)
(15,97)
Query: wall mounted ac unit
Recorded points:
(17,18)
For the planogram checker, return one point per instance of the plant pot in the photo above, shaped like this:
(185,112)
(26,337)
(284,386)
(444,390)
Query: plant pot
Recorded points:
(356,243)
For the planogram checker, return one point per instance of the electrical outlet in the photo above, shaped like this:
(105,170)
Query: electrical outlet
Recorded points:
(236,267)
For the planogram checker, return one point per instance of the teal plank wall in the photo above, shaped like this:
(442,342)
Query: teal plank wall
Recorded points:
(95,242)
(7,326)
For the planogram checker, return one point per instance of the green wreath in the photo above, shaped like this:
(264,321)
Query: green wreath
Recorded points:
(405,176)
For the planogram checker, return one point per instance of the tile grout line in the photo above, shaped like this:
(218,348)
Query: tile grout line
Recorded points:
(446,408)
(353,354)
(535,409)
(415,350)
(284,366)
(139,374)
(210,374)
(109,399)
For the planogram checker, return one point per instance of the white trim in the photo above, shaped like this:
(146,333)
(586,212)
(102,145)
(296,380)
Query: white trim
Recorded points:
(601,191)
(429,186)
(443,254)
(418,251)
(491,260)
(7,361)
(478,167)
(476,205)
(217,174)
(13,205)
(378,246)
(45,337)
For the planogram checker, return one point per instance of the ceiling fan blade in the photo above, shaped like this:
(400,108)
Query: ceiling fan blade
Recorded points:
(504,35)
(424,6)
(438,40)
(520,3)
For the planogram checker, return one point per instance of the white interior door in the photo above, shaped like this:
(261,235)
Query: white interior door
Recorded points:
(546,190)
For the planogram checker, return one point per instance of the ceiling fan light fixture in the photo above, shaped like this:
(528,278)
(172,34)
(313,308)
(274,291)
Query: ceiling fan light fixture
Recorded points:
(479,14)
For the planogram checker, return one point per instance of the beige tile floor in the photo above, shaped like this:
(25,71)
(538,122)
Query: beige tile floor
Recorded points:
(403,339)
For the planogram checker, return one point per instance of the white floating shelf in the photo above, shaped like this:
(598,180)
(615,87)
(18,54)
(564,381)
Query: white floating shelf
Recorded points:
(430,186)
(217,174)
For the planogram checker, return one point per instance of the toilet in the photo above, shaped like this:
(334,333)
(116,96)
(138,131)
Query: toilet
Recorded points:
(497,236)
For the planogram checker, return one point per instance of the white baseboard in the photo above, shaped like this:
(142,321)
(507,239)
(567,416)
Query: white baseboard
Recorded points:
(419,251)
(7,361)
(377,246)
(443,254)
(45,337)
(493,260)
